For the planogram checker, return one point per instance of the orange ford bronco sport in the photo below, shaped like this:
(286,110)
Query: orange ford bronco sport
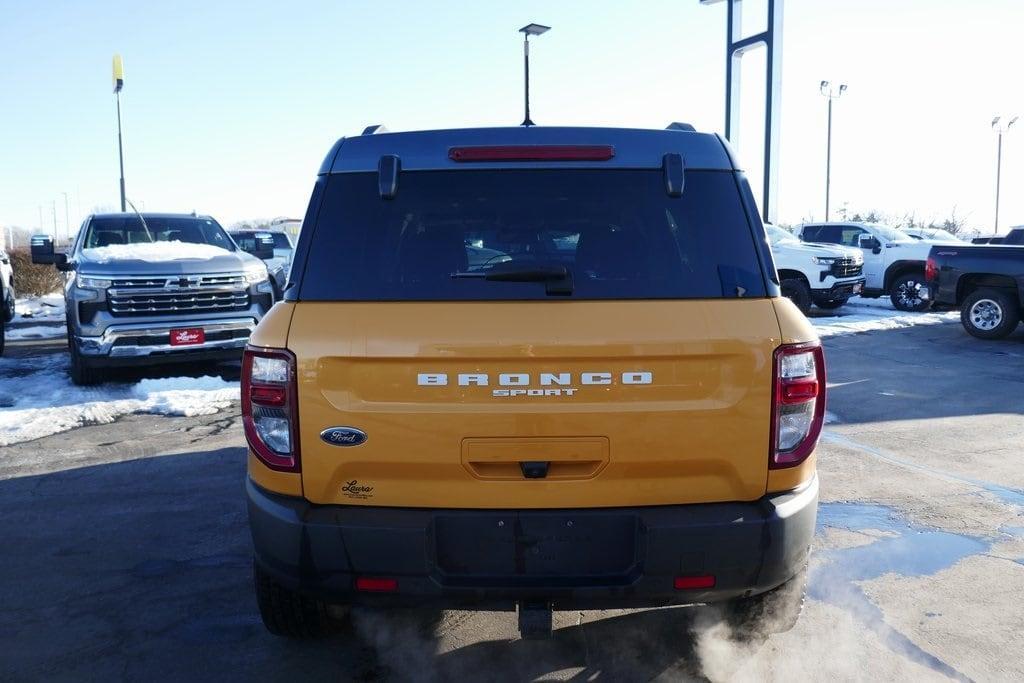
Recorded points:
(531,369)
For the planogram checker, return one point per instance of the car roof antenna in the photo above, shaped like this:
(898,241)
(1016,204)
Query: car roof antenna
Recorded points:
(144,226)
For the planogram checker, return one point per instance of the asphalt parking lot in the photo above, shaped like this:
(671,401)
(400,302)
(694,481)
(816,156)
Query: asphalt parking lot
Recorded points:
(127,556)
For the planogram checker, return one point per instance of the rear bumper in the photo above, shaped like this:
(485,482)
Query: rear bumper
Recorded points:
(585,558)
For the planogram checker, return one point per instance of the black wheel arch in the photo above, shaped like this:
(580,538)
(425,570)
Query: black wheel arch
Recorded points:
(787,274)
(970,282)
(902,267)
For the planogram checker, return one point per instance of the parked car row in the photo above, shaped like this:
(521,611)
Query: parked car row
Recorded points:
(827,263)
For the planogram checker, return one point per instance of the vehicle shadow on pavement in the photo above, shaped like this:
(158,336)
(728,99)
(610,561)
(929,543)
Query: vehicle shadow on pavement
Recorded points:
(141,570)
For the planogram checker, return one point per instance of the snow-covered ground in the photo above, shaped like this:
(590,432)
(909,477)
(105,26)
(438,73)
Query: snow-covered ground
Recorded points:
(865,315)
(37,399)
(49,307)
(35,332)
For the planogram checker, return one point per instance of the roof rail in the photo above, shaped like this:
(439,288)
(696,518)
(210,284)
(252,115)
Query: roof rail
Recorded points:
(676,125)
(376,128)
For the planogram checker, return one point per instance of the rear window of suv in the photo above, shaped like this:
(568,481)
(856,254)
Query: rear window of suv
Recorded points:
(617,233)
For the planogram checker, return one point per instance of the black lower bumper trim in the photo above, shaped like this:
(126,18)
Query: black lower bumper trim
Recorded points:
(579,558)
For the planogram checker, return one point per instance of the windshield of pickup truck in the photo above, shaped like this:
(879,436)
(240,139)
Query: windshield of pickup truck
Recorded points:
(508,234)
(130,229)
(891,234)
(777,235)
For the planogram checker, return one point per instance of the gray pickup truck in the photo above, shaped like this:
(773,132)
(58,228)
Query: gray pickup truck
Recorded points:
(156,288)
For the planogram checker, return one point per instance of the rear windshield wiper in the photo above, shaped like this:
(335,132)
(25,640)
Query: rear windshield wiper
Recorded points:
(558,279)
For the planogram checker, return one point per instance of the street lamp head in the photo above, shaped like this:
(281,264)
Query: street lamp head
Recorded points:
(1012,121)
(823,87)
(995,121)
(534,29)
(842,88)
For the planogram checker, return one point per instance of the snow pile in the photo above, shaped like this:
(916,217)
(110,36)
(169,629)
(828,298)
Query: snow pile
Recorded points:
(36,307)
(153,252)
(866,315)
(35,332)
(37,399)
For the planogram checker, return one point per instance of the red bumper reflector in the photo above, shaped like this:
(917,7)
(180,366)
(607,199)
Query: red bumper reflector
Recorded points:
(372,584)
(683,583)
(532,153)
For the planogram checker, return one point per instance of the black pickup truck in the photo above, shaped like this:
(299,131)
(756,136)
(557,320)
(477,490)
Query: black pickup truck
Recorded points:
(985,282)
(1015,236)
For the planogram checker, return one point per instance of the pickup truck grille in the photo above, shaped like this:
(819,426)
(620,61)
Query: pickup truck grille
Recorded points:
(846,268)
(171,295)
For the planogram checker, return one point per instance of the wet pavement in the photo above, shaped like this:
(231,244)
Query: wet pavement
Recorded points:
(126,552)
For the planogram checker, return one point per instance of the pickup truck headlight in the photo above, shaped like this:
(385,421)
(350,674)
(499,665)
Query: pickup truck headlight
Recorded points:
(824,260)
(254,276)
(91,282)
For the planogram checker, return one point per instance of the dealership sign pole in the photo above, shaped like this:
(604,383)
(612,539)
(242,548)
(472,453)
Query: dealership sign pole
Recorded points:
(118,85)
(736,46)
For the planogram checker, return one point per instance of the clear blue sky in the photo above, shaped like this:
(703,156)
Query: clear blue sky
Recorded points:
(229,107)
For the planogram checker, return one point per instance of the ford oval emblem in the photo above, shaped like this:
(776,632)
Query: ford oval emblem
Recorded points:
(343,436)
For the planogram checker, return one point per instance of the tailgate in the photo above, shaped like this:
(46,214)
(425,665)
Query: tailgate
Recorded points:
(535,405)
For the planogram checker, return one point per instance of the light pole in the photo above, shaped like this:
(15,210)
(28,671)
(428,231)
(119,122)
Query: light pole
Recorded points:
(999,161)
(830,95)
(67,215)
(527,31)
(118,85)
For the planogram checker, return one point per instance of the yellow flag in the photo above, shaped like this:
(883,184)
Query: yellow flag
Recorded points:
(118,73)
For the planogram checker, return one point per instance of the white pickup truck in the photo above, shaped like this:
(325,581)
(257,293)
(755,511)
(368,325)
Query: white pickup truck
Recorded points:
(822,274)
(893,260)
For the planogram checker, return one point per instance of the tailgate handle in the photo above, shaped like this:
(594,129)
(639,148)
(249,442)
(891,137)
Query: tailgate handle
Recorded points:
(534,469)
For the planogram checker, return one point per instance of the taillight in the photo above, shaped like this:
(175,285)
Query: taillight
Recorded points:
(532,153)
(798,409)
(270,407)
(931,270)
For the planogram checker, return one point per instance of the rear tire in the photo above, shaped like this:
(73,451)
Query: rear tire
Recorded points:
(831,304)
(798,292)
(989,313)
(905,295)
(9,305)
(775,611)
(82,374)
(290,614)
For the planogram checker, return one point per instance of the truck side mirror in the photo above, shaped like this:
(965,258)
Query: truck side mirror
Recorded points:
(42,249)
(869,242)
(261,246)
